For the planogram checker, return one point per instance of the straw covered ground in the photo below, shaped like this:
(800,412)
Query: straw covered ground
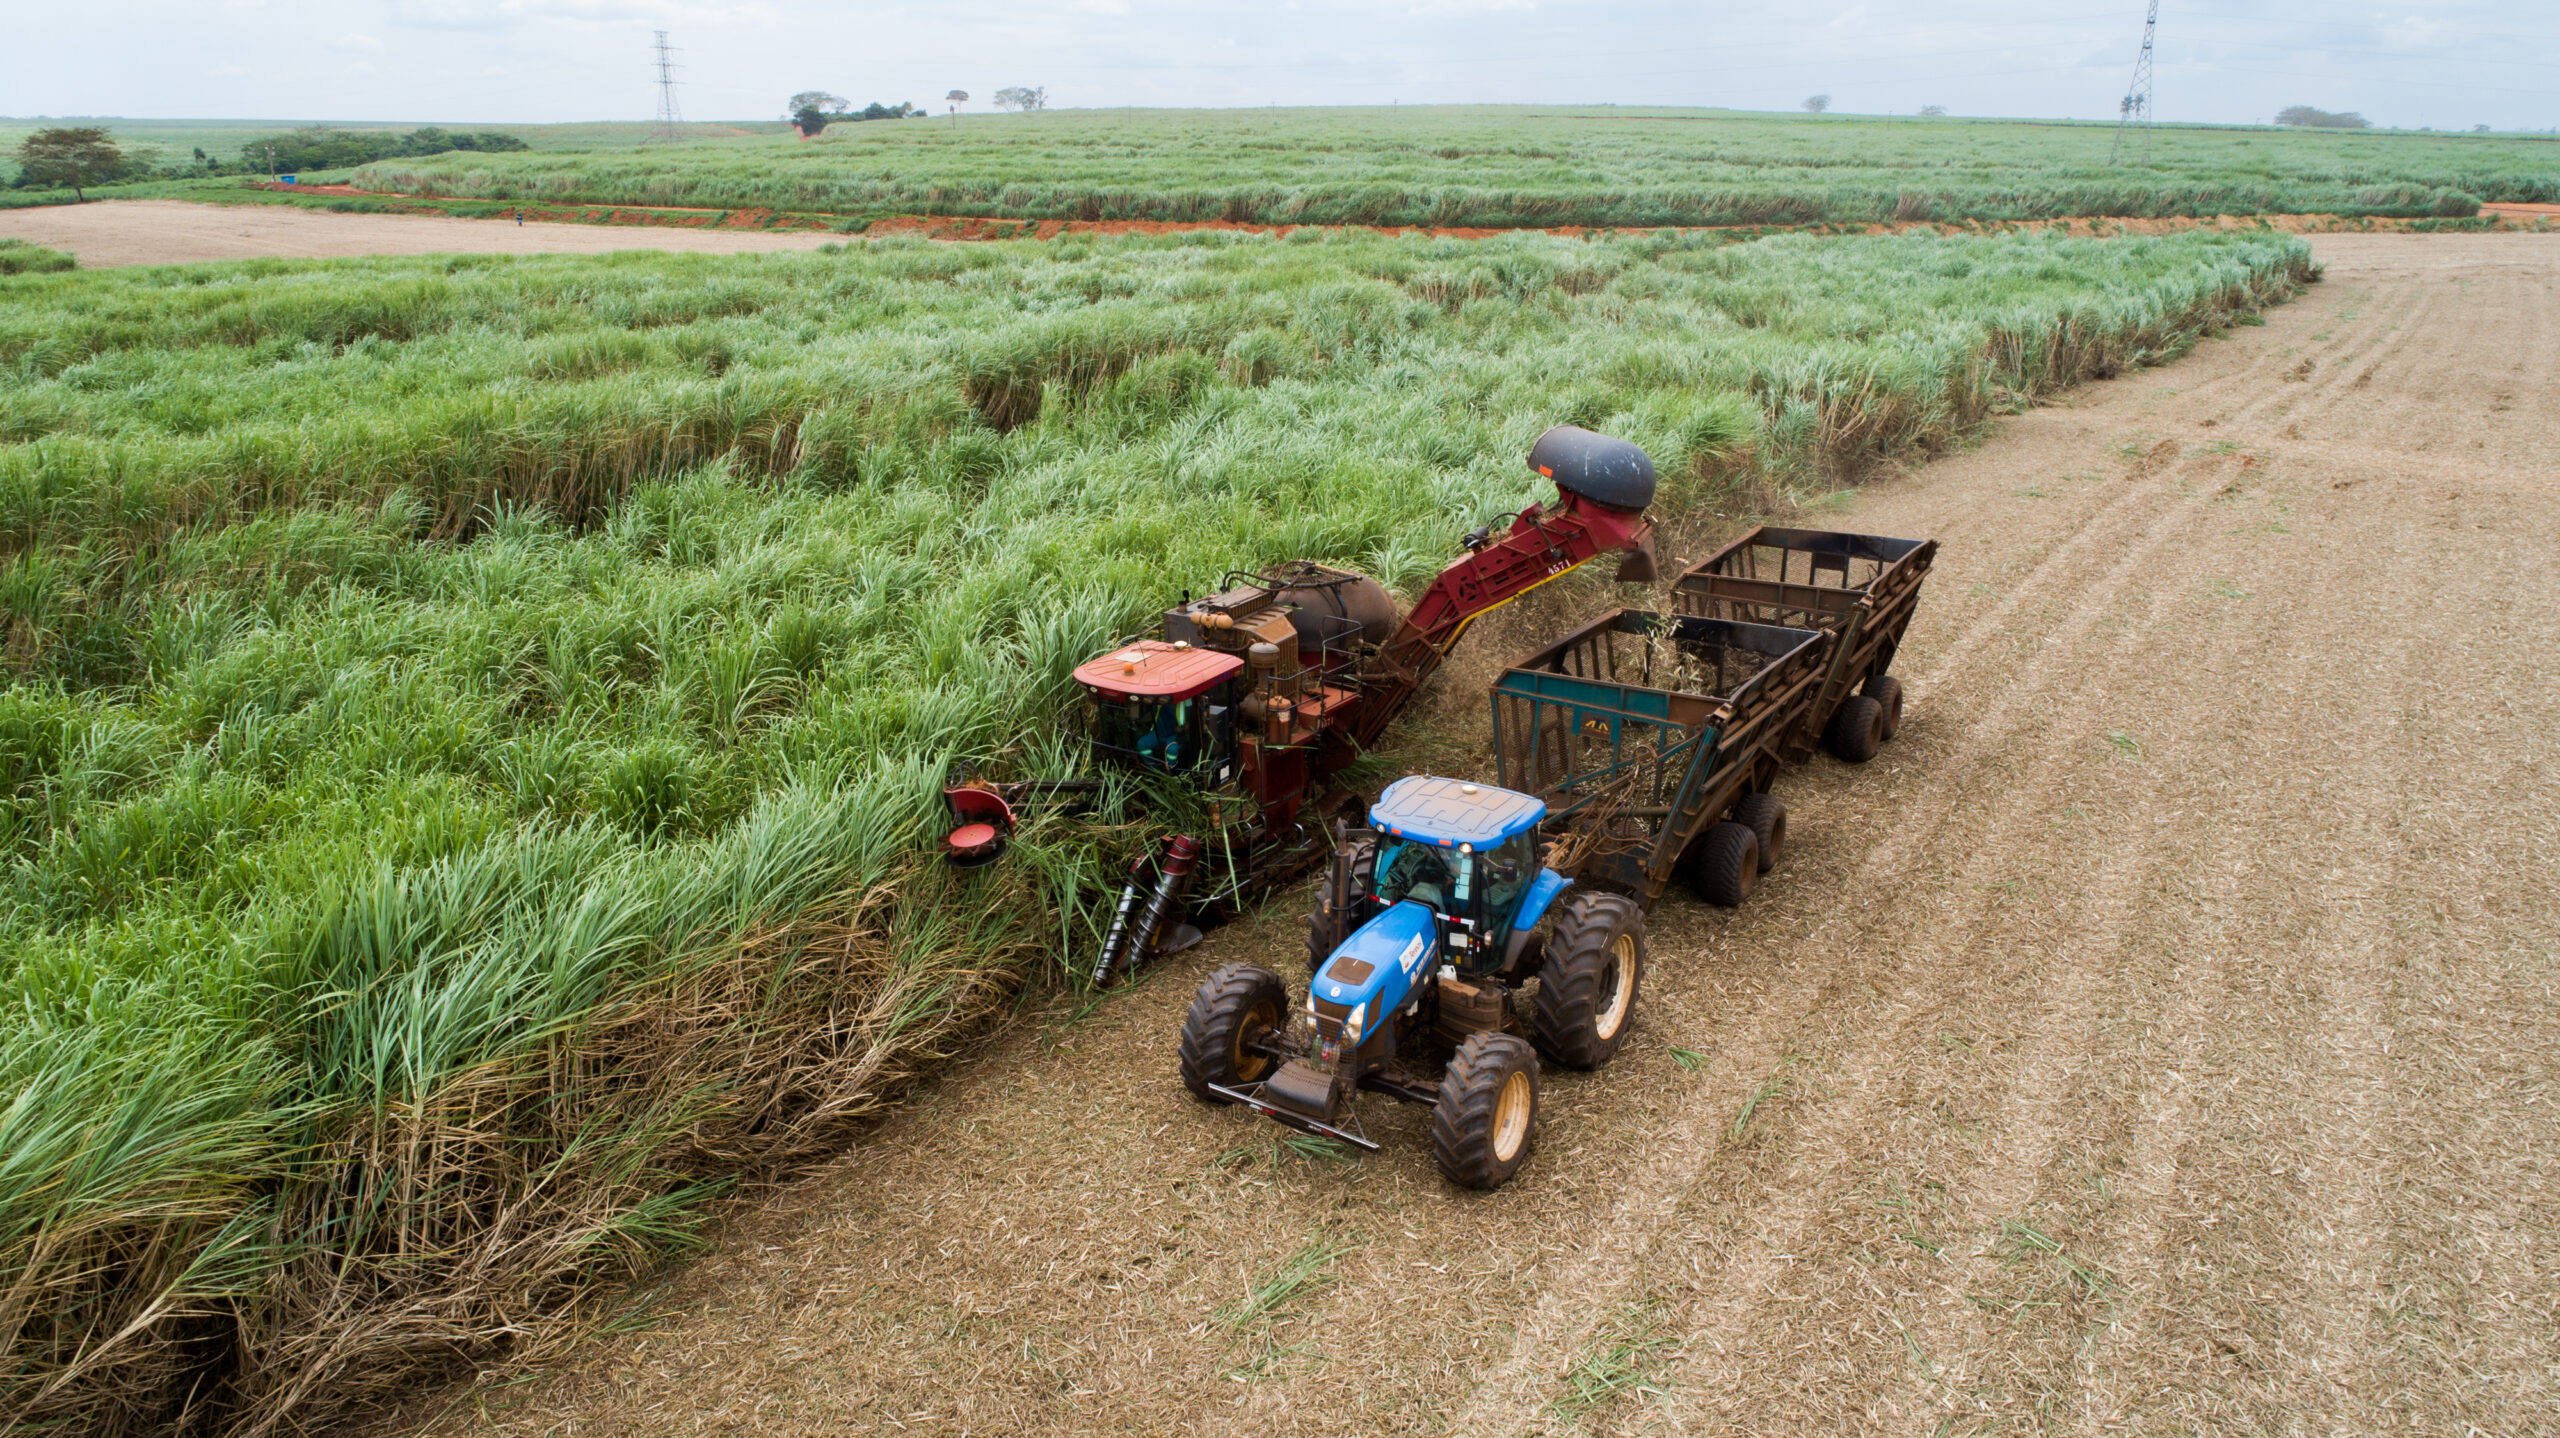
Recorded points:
(469,755)
(2159,1037)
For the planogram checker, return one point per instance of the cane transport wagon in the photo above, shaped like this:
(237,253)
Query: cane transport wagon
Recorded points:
(1656,740)
(1860,588)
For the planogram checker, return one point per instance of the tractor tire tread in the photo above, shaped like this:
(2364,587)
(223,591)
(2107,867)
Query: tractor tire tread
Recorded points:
(1887,691)
(1856,729)
(1764,816)
(1462,1121)
(1209,1029)
(1564,1018)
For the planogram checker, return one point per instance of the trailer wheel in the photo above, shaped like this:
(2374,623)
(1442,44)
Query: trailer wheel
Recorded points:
(1887,691)
(1488,1111)
(1588,984)
(1327,928)
(1767,818)
(1727,864)
(1856,729)
(1235,1007)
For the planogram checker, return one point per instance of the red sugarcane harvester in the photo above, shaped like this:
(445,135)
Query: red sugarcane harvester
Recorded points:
(1262,693)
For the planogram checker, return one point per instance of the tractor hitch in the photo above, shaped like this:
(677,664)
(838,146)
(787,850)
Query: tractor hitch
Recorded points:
(1250,1096)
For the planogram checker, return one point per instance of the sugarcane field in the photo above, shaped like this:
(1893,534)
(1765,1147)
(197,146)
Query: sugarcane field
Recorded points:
(1177,763)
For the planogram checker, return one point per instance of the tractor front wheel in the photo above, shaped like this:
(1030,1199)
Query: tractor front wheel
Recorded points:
(1353,872)
(1238,1009)
(1587,985)
(1488,1110)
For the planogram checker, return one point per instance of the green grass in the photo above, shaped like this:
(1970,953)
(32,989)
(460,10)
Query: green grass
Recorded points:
(1299,1277)
(164,142)
(1516,166)
(1627,1357)
(472,727)
(17,257)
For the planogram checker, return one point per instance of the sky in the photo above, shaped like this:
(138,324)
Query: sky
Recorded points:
(2447,64)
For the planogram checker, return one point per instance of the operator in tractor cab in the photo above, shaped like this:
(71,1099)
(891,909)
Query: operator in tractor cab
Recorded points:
(1478,896)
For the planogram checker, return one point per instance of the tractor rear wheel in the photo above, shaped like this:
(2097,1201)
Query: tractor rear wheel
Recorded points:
(1237,1009)
(1354,871)
(1588,982)
(1488,1111)
(1856,729)
(1727,864)
(1887,691)
(1763,815)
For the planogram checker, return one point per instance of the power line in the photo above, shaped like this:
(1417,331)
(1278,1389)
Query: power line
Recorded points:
(669,115)
(2135,109)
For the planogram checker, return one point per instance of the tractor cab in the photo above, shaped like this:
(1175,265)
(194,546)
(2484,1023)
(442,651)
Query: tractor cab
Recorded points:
(1467,852)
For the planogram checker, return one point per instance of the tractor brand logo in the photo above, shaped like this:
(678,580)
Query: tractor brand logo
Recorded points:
(1411,958)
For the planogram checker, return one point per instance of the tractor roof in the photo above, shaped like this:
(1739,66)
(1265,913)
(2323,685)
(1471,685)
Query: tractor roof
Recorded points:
(1153,669)
(1450,812)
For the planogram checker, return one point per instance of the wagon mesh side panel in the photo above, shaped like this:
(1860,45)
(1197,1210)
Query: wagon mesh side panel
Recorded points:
(1631,739)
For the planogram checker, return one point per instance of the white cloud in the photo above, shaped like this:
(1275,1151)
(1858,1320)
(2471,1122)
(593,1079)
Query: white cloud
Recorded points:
(590,59)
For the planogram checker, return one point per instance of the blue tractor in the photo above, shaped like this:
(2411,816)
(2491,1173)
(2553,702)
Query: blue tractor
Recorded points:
(1445,959)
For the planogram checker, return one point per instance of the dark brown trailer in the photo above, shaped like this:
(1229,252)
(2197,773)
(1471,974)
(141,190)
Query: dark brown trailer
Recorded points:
(1860,588)
(1654,738)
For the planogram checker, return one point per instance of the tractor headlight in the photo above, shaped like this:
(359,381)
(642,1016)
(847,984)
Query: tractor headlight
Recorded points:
(1351,1023)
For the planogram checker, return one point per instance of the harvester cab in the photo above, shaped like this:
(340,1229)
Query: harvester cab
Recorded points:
(1424,941)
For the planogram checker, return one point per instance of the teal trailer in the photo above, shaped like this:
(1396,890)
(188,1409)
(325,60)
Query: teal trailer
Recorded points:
(1655,740)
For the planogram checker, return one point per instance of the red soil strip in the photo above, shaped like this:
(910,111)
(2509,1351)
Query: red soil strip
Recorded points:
(971,228)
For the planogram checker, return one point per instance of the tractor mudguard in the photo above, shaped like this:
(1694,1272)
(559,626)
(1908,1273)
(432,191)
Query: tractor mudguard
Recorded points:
(1533,907)
(1533,904)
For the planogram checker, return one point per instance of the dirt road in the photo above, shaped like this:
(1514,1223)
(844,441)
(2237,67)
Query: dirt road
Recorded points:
(111,233)
(2159,1037)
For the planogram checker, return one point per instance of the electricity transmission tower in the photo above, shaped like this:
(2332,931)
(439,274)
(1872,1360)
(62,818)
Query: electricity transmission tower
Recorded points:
(669,116)
(2135,108)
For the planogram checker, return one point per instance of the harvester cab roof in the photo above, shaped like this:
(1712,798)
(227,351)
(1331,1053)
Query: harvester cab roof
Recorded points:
(1152,669)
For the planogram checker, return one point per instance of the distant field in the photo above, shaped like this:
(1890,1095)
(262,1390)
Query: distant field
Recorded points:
(471,728)
(1516,166)
(176,140)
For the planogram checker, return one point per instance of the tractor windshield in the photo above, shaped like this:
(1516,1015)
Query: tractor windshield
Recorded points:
(1418,872)
(1484,889)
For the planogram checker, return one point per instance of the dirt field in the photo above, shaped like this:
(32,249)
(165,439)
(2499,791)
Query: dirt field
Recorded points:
(111,233)
(2159,1037)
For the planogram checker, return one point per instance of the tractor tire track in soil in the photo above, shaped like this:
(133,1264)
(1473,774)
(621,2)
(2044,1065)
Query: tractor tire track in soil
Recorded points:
(2158,1036)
